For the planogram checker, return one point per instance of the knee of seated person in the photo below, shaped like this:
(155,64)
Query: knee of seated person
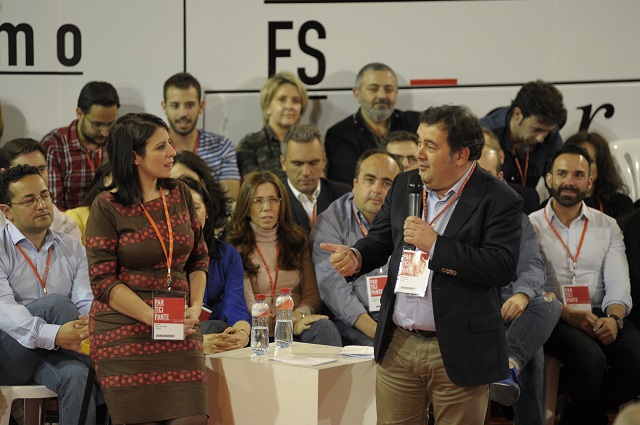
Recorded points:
(54,304)
(550,305)
(328,331)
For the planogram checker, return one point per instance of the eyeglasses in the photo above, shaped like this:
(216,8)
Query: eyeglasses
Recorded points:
(100,125)
(411,159)
(260,202)
(45,197)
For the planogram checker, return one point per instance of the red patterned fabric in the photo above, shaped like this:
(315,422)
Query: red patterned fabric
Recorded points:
(123,248)
(70,174)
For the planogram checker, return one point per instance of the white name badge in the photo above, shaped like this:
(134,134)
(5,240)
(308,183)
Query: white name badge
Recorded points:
(413,273)
(168,315)
(376,285)
(576,296)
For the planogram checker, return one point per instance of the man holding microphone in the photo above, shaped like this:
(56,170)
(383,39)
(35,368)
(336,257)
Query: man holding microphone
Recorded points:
(440,337)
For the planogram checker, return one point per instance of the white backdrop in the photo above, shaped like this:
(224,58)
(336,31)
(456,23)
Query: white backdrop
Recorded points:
(588,47)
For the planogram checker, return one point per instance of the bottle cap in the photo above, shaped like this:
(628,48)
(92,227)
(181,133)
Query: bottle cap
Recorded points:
(260,297)
(285,291)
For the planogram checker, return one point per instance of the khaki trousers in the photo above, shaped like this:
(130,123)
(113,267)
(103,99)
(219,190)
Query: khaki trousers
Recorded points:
(411,375)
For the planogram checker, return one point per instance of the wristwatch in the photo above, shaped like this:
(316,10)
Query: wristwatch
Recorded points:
(618,320)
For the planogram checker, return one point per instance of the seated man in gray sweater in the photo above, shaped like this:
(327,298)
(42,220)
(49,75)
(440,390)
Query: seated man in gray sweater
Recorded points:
(354,305)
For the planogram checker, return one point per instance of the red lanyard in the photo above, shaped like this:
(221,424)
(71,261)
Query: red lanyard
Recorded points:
(169,255)
(455,198)
(43,283)
(272,281)
(574,259)
(601,207)
(355,214)
(523,176)
(313,213)
(195,150)
(91,164)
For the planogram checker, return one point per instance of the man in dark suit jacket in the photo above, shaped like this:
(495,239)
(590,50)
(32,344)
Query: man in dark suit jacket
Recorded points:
(303,159)
(376,91)
(447,344)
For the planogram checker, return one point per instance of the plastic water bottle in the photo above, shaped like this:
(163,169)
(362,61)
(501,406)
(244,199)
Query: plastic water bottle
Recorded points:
(284,320)
(259,327)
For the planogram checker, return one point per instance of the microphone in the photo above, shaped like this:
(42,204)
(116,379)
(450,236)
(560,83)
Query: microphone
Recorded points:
(414,200)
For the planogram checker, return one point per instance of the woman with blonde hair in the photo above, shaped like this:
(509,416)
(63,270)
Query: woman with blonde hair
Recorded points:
(283,100)
(275,254)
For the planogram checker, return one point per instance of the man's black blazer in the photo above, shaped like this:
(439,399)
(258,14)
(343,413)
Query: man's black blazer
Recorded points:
(329,192)
(476,255)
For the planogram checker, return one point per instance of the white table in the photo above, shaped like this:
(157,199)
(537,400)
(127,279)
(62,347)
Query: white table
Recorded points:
(244,391)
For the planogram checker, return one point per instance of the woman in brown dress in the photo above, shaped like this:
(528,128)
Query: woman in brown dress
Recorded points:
(143,236)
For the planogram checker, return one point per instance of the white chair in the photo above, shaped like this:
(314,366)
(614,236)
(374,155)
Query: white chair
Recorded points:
(32,395)
(626,153)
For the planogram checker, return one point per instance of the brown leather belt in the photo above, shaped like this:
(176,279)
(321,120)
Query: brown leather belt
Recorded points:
(424,334)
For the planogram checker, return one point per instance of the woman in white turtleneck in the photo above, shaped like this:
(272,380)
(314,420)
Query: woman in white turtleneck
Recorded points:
(275,254)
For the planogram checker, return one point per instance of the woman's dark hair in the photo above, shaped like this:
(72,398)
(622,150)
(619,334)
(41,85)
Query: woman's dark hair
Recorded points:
(292,239)
(97,185)
(208,229)
(608,182)
(130,134)
(221,207)
(197,165)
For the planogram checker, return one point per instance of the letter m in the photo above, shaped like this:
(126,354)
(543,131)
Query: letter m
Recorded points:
(12,42)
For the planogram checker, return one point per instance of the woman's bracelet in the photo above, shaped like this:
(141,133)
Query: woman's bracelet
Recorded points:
(246,333)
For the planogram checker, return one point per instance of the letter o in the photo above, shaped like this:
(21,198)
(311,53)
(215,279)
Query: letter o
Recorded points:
(77,45)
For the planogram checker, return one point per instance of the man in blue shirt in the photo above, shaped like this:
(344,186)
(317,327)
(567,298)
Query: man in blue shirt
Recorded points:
(354,306)
(44,296)
(183,104)
(528,131)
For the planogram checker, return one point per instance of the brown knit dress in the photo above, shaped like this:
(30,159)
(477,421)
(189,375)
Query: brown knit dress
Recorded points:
(144,380)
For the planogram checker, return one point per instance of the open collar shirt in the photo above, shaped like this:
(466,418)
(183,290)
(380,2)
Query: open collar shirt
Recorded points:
(70,174)
(413,311)
(307,204)
(68,276)
(602,263)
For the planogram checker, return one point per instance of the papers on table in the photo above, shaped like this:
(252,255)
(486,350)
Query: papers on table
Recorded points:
(298,360)
(360,351)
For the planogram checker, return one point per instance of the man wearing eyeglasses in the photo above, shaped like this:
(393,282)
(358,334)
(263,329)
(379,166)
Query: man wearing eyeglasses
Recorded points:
(75,152)
(44,296)
(403,145)
(30,152)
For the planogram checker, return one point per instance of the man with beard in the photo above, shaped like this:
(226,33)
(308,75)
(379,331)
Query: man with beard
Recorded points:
(75,152)
(45,296)
(528,131)
(346,220)
(599,348)
(183,104)
(376,91)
